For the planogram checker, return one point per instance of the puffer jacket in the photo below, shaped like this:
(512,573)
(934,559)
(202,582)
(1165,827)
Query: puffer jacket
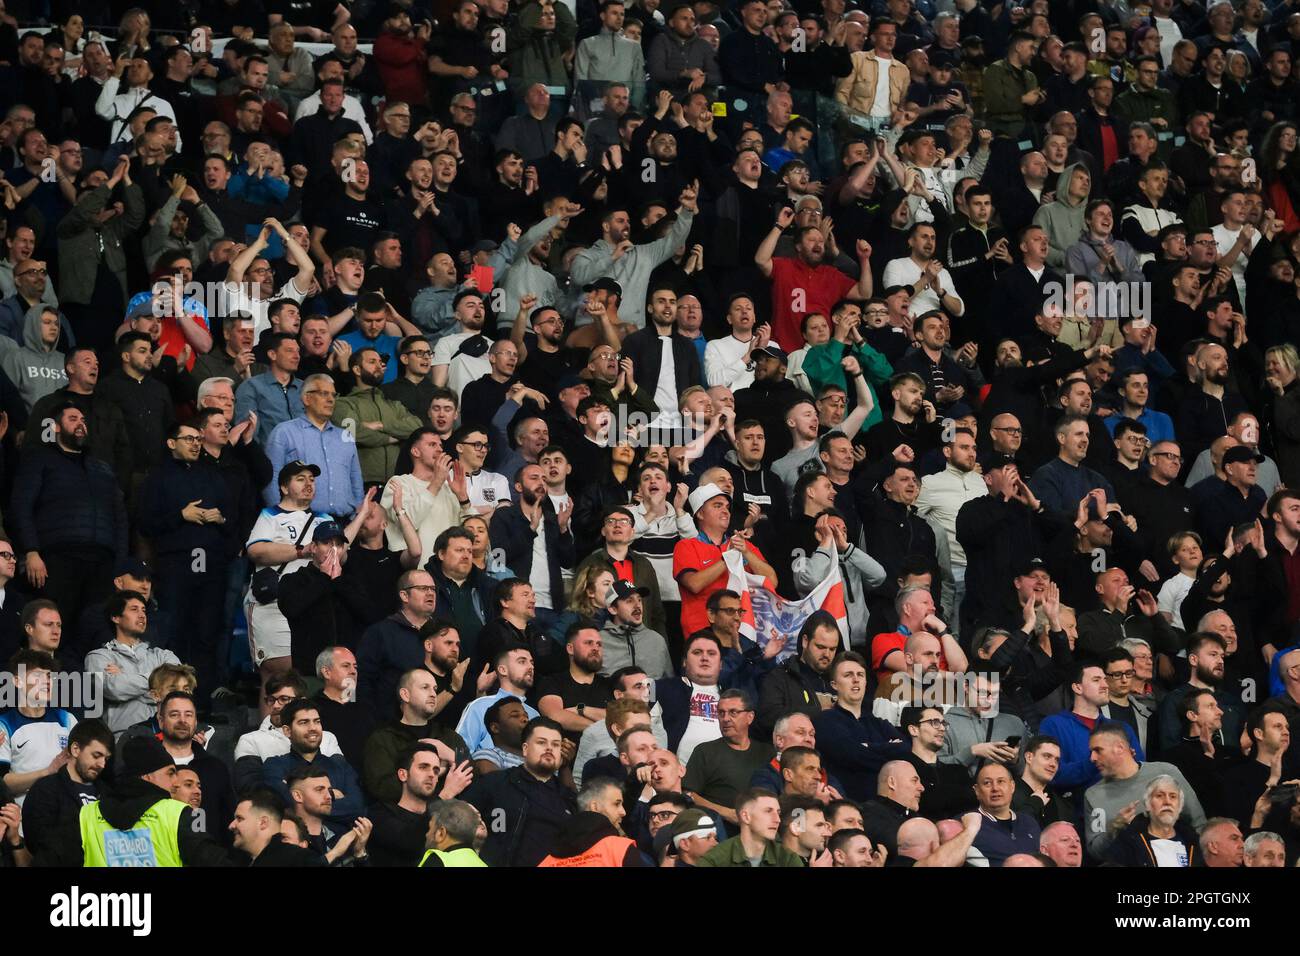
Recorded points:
(67,500)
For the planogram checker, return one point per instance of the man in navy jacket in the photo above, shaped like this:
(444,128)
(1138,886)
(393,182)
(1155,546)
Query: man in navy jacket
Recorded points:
(854,744)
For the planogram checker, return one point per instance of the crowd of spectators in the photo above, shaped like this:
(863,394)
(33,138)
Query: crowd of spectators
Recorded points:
(384,385)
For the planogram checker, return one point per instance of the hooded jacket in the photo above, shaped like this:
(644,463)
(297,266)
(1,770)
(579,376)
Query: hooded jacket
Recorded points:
(36,368)
(635,644)
(1062,219)
(126,802)
(588,839)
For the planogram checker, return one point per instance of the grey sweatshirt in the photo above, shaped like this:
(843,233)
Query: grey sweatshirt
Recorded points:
(1102,801)
(966,729)
(635,644)
(631,271)
(36,369)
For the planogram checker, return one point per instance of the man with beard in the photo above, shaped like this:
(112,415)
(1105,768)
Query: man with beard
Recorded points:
(947,785)
(800,685)
(614,256)
(381,423)
(543,358)
(109,439)
(576,698)
(506,720)
(54,802)
(1209,408)
(941,499)
(913,421)
(513,670)
(460,356)
(302,720)
(808,272)
(177,723)
(530,800)
(1206,651)
(399,826)
(510,197)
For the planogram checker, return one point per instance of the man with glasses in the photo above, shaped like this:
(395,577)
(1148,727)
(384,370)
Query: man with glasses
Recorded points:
(1125,467)
(186,504)
(486,491)
(1121,679)
(394,646)
(313,438)
(413,387)
(720,770)
(378,424)
(255,296)
(947,786)
(30,282)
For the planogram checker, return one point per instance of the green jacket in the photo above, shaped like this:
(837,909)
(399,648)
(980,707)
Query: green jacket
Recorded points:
(1140,106)
(538,55)
(822,366)
(731,853)
(1004,85)
(83,242)
(376,448)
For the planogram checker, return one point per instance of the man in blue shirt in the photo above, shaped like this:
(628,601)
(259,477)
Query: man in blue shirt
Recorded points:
(1065,480)
(1134,387)
(276,395)
(312,438)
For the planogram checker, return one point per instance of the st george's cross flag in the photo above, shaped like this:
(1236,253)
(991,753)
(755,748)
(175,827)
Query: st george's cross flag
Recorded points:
(765,613)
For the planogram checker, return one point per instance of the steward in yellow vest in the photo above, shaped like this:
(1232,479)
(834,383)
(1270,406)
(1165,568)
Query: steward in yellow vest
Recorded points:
(453,830)
(137,823)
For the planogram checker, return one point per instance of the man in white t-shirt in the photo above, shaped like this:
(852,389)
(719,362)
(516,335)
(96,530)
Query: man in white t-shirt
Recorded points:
(690,702)
(1236,239)
(461,357)
(255,295)
(278,541)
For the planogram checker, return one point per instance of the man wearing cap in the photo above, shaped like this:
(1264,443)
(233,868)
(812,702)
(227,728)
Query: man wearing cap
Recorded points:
(698,564)
(331,450)
(135,822)
(185,506)
(692,834)
(379,424)
(278,541)
(1237,500)
(626,639)
(324,606)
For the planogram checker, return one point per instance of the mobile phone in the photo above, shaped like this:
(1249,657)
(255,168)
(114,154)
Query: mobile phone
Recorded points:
(1014,741)
(1285,793)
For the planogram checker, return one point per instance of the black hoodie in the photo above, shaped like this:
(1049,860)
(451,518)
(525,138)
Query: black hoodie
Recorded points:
(583,830)
(124,803)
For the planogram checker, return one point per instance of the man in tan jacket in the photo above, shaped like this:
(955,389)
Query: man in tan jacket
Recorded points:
(862,90)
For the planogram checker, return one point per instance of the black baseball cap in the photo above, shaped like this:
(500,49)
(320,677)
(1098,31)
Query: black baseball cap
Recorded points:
(606,284)
(1239,453)
(297,467)
(328,531)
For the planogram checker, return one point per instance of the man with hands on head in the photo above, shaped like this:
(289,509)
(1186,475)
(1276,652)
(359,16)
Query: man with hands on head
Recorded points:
(254,297)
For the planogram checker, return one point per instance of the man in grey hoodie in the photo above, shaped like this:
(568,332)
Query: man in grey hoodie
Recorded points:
(1063,218)
(627,641)
(36,366)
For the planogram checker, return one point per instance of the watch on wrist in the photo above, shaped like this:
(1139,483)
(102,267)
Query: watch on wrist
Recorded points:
(582,710)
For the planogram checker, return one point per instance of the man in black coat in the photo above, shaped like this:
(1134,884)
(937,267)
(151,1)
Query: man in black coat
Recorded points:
(1017,295)
(998,533)
(801,684)
(183,504)
(67,513)
(530,800)
(324,605)
(515,527)
(52,808)
(645,347)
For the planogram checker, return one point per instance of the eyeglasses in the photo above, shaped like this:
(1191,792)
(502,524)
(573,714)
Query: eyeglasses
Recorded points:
(8,556)
(732,713)
(1121,675)
(421,587)
(935,722)
(1167,454)
(422,353)
(1008,429)
(281,699)
(476,445)
(464,109)
(727,610)
(619,521)
(191,439)
(664,815)
(31,272)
